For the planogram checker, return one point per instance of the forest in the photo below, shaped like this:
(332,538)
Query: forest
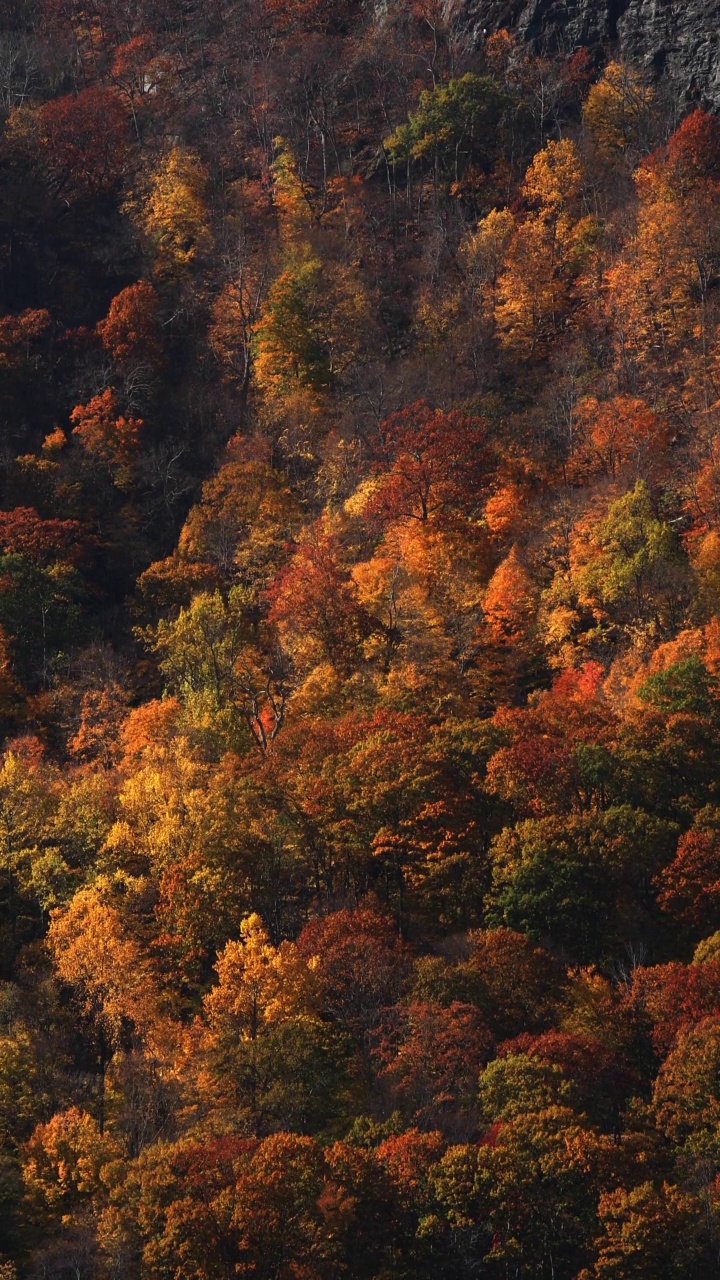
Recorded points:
(359,650)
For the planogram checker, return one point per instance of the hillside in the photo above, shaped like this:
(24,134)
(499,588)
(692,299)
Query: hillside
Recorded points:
(675,44)
(359,641)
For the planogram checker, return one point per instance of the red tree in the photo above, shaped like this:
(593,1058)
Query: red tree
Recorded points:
(24,532)
(433,462)
(314,597)
(131,331)
(690,885)
(361,964)
(86,140)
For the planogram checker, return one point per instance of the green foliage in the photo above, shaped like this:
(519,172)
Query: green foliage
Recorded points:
(517,1084)
(42,609)
(455,124)
(570,880)
(683,686)
(213,657)
(638,569)
(289,343)
(359,651)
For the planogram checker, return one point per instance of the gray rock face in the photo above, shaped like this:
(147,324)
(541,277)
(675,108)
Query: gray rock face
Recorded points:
(677,41)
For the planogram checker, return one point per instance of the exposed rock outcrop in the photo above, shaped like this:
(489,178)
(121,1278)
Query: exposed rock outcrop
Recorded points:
(677,41)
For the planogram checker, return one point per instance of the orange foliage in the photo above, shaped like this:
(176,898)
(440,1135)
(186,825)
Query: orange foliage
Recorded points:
(106,436)
(130,330)
(625,431)
(315,600)
(510,600)
(24,532)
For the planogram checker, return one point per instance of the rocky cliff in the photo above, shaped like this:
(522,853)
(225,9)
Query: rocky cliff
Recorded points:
(678,41)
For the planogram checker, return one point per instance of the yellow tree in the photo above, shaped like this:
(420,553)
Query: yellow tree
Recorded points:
(618,110)
(63,1166)
(269,1054)
(174,215)
(424,584)
(31,862)
(546,251)
(94,954)
(244,522)
(257,982)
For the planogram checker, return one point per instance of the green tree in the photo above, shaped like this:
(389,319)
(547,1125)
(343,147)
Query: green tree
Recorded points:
(213,658)
(634,567)
(455,125)
(586,882)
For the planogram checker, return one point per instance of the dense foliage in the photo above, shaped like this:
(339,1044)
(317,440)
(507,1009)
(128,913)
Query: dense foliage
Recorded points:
(359,651)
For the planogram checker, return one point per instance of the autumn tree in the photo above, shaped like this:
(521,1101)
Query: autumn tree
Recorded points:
(244,522)
(546,252)
(93,953)
(173,213)
(431,1056)
(271,1054)
(434,462)
(689,885)
(108,438)
(359,966)
(618,111)
(315,604)
(626,570)
(130,331)
(211,657)
(85,139)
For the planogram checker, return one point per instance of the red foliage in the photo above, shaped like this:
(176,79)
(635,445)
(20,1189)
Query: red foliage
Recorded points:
(19,333)
(539,769)
(522,984)
(86,139)
(435,461)
(361,964)
(694,149)
(433,1055)
(208,1167)
(130,330)
(675,996)
(690,885)
(313,596)
(579,70)
(625,430)
(408,1159)
(24,532)
(603,1082)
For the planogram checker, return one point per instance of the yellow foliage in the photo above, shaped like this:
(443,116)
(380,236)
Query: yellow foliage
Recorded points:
(617,109)
(65,1159)
(257,982)
(93,953)
(174,215)
(483,250)
(554,179)
(534,287)
(293,210)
